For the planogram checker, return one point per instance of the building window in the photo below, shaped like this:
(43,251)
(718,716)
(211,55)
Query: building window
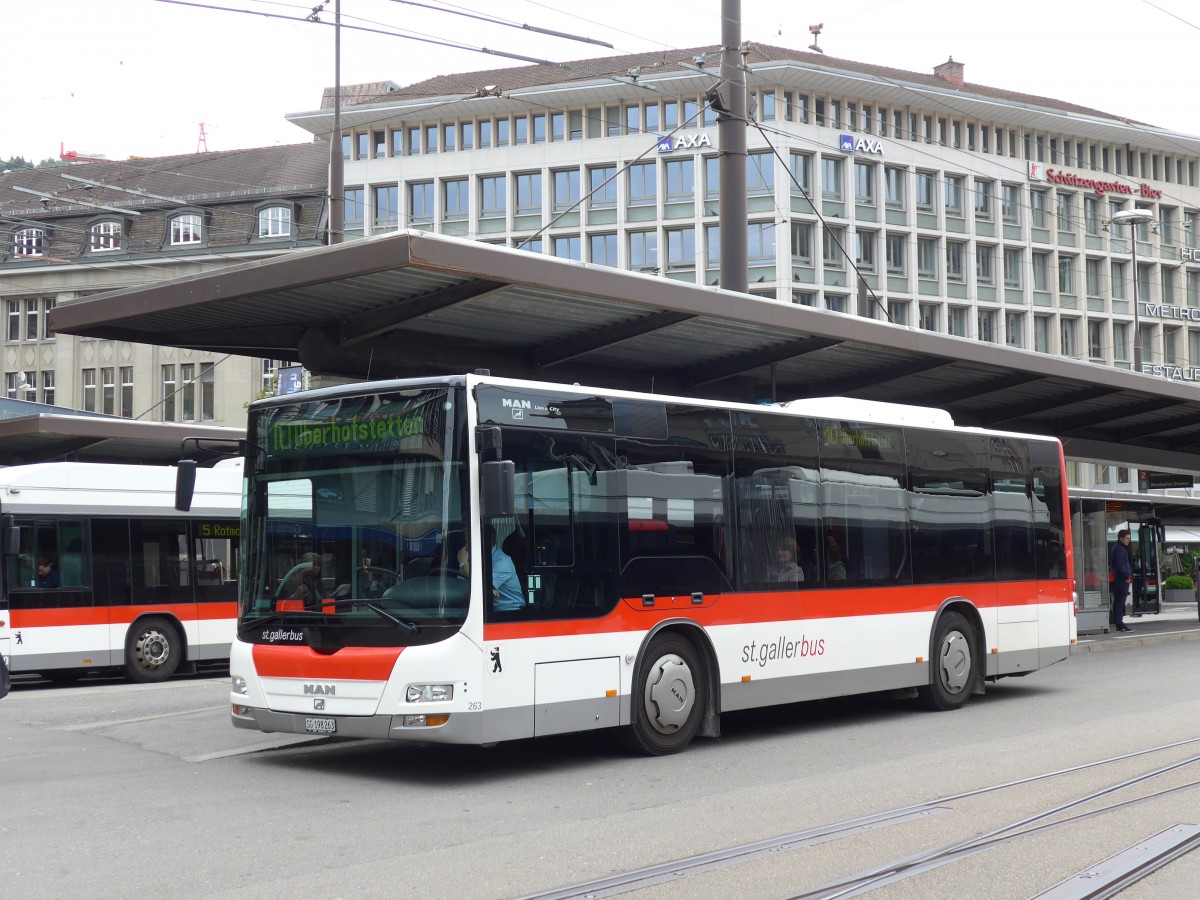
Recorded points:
(187,392)
(108,391)
(48,387)
(275,221)
(492,197)
(1041,334)
(1066,275)
(421,208)
(954,195)
(956,252)
(864,183)
(983,200)
(957,321)
(864,250)
(385,201)
(929,316)
(1012,267)
(567,246)
(831,178)
(984,257)
(88,395)
(185,229)
(539,128)
(1014,328)
(31,320)
(681,248)
(1095,339)
(354,209)
(1091,215)
(1037,208)
(895,253)
(898,312)
(602,249)
(927,257)
(712,178)
(800,169)
(833,239)
(602,187)
(986,323)
(1066,328)
(760,243)
(643,251)
(893,187)
(529,193)
(1065,211)
(1120,342)
(926,191)
(168,393)
(760,174)
(1094,277)
(456,200)
(105,237)
(125,407)
(802,243)
(1040,267)
(566,189)
(681,180)
(1118,280)
(835,303)
(28,242)
(1010,203)
(642,185)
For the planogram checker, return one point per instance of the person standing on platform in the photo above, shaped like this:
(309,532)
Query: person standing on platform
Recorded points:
(1120,571)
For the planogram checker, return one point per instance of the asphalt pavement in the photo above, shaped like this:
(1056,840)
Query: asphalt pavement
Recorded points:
(1176,622)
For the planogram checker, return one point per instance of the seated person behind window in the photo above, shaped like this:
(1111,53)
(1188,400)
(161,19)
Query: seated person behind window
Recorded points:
(309,589)
(786,567)
(507,595)
(835,569)
(48,576)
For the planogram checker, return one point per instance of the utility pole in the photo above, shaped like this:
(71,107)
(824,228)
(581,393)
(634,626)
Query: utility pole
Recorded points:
(337,178)
(731,133)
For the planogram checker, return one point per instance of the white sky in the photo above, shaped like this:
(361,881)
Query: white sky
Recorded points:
(137,77)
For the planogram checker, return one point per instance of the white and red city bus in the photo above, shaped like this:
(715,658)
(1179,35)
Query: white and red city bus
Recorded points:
(102,572)
(473,559)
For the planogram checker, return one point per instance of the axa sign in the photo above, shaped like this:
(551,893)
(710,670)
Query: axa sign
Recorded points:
(850,144)
(683,142)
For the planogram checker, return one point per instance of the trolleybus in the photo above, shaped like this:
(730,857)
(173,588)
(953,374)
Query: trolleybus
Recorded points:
(474,559)
(102,572)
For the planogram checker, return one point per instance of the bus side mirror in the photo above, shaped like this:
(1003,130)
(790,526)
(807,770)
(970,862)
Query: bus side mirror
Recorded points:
(12,536)
(498,488)
(185,484)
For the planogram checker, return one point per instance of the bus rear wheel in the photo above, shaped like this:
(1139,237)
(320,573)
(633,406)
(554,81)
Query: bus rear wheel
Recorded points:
(152,651)
(670,696)
(954,664)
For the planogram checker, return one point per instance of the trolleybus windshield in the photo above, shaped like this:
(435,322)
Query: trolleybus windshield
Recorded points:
(359,507)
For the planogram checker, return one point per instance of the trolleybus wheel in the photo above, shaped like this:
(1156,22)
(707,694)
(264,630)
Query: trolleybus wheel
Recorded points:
(953,664)
(669,696)
(152,651)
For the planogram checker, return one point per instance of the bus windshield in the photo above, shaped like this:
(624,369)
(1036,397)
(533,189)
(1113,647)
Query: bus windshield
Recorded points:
(358,508)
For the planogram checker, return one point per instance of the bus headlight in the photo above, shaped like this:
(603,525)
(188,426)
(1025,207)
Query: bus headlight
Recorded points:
(239,685)
(429,693)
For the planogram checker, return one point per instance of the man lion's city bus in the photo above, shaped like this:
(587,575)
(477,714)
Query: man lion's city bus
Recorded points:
(101,571)
(473,559)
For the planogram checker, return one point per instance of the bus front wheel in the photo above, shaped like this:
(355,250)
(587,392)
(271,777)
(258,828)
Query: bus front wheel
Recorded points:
(670,696)
(953,665)
(152,651)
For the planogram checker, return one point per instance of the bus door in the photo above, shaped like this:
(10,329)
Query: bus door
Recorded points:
(7,528)
(1146,596)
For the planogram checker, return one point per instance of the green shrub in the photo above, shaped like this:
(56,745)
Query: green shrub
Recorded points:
(1179,583)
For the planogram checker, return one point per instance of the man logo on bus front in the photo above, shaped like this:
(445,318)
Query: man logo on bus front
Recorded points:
(496,667)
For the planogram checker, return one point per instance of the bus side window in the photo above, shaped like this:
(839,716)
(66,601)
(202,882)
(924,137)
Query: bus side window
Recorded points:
(70,562)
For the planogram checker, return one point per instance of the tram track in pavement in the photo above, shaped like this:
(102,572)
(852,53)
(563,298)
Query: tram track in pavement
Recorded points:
(924,861)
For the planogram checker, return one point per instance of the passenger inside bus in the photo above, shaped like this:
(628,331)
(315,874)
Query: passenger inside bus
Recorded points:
(48,576)
(835,566)
(787,566)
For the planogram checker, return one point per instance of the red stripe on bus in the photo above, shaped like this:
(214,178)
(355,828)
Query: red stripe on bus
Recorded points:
(778,606)
(359,663)
(116,615)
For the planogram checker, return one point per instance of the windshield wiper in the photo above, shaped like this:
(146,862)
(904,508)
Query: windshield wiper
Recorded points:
(406,626)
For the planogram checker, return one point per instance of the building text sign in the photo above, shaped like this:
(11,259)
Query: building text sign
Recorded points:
(1101,187)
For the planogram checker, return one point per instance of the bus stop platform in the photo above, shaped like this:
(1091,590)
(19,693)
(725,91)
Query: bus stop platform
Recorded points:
(1176,622)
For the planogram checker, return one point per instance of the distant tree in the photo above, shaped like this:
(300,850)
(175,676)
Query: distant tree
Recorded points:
(20,162)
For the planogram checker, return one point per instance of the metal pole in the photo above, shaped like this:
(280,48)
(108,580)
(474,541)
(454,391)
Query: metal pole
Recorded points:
(1137,331)
(731,134)
(337,178)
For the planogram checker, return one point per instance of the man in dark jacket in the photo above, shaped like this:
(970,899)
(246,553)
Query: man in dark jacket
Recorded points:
(1120,570)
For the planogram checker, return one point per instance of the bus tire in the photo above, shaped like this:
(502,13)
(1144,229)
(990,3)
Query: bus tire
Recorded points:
(153,651)
(954,667)
(670,696)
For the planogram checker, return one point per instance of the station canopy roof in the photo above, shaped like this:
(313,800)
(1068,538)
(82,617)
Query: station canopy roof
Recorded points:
(413,304)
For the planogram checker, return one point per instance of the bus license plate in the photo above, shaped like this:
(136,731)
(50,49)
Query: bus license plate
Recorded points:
(320,725)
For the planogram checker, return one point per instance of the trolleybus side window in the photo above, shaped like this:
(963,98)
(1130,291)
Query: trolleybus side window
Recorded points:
(777,499)
(1048,512)
(864,501)
(110,561)
(676,534)
(1013,524)
(950,507)
(160,561)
